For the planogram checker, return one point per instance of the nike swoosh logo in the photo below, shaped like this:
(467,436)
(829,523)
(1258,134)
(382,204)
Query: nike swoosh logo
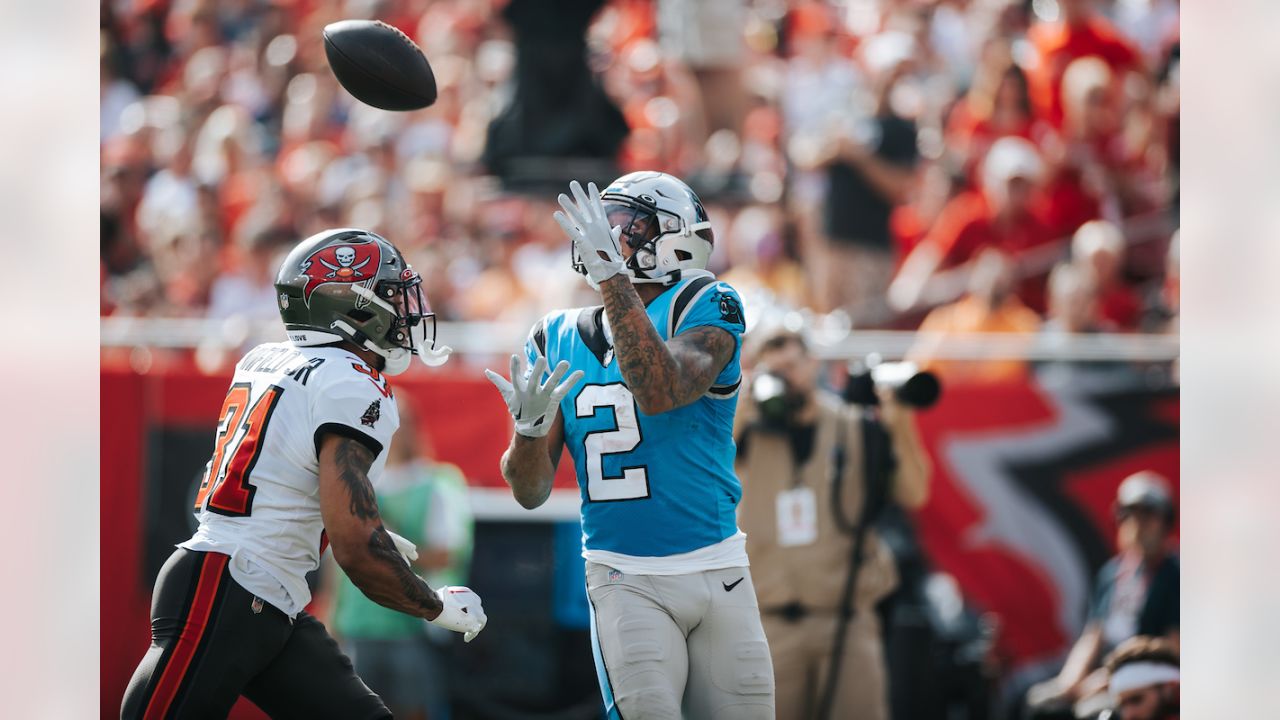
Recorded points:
(730,586)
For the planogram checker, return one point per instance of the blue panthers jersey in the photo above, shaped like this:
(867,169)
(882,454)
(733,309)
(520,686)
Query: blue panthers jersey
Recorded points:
(651,485)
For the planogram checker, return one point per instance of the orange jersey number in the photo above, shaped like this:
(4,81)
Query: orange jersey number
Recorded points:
(229,491)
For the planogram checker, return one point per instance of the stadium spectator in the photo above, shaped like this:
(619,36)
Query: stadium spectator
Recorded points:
(1099,248)
(801,542)
(989,307)
(1073,301)
(997,104)
(1089,176)
(401,658)
(819,88)
(870,161)
(1081,32)
(1002,215)
(243,93)
(1135,593)
(1144,680)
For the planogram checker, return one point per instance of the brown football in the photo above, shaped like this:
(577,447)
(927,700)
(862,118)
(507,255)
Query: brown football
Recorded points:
(379,65)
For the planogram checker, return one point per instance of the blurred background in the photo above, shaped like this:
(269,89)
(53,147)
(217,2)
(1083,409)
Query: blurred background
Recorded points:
(986,187)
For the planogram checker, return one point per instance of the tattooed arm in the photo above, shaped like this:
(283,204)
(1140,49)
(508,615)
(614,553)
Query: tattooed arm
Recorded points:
(661,376)
(360,543)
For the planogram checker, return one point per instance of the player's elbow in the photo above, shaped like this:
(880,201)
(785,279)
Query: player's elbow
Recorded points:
(530,497)
(351,553)
(654,403)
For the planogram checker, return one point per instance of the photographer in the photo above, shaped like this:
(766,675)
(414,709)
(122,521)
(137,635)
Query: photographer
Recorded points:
(807,503)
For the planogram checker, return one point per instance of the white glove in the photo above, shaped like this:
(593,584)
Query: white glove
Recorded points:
(533,406)
(462,611)
(587,225)
(407,550)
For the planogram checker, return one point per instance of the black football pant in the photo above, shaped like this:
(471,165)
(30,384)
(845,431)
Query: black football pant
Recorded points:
(213,641)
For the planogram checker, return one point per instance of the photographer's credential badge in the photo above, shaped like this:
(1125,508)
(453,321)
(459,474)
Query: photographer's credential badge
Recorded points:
(797,517)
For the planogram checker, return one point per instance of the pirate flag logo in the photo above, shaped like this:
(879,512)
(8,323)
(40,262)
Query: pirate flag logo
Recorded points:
(372,414)
(353,263)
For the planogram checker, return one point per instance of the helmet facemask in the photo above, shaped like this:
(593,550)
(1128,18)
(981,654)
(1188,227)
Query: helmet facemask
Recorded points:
(648,231)
(413,324)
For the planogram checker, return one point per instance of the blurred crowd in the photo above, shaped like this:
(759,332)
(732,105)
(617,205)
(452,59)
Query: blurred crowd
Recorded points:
(968,164)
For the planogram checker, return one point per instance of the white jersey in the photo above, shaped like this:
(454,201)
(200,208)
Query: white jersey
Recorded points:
(260,499)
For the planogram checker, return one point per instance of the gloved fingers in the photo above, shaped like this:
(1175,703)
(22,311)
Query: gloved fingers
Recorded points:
(563,388)
(571,210)
(404,546)
(584,204)
(535,376)
(561,368)
(517,376)
(594,204)
(499,382)
(566,224)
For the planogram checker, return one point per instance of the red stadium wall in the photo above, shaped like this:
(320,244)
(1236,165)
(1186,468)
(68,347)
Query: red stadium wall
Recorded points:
(1019,512)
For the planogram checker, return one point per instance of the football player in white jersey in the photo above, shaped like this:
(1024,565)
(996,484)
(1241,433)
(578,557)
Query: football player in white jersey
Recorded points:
(302,436)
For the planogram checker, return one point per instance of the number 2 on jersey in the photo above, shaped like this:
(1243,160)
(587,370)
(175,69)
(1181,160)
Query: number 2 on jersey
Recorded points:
(633,483)
(235,451)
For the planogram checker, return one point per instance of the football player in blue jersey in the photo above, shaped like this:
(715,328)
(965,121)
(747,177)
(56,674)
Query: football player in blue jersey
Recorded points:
(643,397)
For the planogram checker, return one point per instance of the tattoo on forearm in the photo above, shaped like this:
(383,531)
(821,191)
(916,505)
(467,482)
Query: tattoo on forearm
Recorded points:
(659,374)
(354,461)
(394,583)
(416,593)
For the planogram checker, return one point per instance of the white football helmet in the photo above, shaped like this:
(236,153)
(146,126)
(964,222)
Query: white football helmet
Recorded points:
(663,222)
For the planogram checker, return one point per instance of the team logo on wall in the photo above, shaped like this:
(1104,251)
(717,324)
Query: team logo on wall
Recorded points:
(353,263)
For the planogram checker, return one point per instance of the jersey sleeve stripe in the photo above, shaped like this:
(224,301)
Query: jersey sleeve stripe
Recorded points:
(540,337)
(724,392)
(346,431)
(685,298)
(591,330)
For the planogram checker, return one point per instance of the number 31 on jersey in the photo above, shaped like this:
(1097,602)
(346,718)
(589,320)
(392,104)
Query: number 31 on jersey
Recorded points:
(239,441)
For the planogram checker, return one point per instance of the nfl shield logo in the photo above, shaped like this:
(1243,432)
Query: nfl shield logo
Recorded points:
(614,576)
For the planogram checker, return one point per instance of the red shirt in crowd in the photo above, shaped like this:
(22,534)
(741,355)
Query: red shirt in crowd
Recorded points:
(1120,306)
(1057,44)
(967,225)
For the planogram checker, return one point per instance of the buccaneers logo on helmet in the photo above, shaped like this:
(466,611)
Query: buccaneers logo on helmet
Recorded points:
(353,263)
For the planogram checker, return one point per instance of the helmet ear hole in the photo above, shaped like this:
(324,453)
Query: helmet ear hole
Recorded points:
(684,255)
(360,316)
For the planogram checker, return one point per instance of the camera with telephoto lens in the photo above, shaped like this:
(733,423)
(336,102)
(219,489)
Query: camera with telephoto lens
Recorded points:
(910,385)
(776,400)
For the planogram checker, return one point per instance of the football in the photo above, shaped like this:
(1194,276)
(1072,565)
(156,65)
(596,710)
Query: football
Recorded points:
(379,65)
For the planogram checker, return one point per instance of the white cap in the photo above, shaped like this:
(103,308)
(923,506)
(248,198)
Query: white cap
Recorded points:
(1145,488)
(1009,158)
(1097,235)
